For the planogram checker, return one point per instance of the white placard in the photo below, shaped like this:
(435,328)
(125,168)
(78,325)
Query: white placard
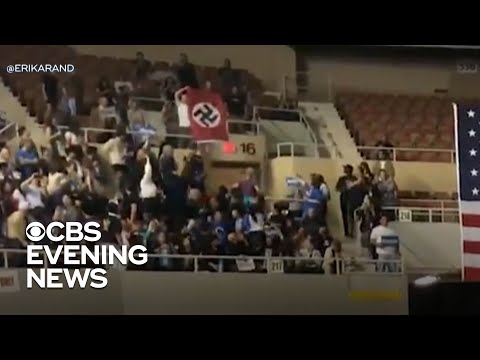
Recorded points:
(245,265)
(404,215)
(9,281)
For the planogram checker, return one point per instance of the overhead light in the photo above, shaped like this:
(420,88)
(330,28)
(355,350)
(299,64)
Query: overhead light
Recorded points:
(426,281)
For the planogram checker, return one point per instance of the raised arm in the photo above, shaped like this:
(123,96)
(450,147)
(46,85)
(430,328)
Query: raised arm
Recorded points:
(179,93)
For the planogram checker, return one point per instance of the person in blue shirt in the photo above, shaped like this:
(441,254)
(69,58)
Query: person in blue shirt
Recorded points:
(314,196)
(221,229)
(27,159)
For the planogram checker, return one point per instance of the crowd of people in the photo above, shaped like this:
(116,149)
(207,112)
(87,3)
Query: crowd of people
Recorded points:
(144,197)
(365,200)
(131,184)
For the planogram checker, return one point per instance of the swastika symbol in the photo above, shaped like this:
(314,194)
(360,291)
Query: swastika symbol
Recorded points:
(206,115)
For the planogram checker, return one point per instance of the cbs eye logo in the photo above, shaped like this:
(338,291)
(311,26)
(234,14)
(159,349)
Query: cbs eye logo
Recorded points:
(35,231)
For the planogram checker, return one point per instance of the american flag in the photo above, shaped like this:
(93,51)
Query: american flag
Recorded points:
(467,138)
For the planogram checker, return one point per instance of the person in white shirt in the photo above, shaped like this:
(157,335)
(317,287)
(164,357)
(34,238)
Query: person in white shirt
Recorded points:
(34,192)
(56,180)
(148,189)
(387,254)
(182,107)
(383,163)
(35,195)
(324,187)
(115,151)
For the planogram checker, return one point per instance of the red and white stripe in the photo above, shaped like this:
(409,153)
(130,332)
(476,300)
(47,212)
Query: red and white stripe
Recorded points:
(470,222)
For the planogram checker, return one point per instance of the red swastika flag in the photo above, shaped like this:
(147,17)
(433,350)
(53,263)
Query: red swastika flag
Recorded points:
(208,115)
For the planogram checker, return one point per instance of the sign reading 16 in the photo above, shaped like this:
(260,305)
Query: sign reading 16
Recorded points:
(248,148)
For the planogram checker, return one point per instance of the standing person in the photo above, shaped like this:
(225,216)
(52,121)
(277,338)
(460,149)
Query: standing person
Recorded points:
(236,102)
(194,170)
(168,165)
(358,190)
(115,150)
(142,66)
(386,252)
(314,197)
(383,163)
(367,218)
(248,187)
(50,92)
(35,194)
(387,189)
(148,191)
(78,91)
(326,193)
(186,73)
(66,108)
(343,188)
(228,77)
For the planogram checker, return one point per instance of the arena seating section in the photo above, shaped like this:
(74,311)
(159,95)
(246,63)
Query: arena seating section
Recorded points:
(411,121)
(27,86)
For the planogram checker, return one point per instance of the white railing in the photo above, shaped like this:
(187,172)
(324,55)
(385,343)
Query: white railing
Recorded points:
(443,204)
(307,149)
(428,215)
(370,152)
(344,266)
(416,214)
(231,124)
(301,118)
(11,128)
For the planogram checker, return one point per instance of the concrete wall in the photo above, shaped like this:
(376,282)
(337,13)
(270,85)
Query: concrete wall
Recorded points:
(207,293)
(430,245)
(270,63)
(77,301)
(241,294)
(372,74)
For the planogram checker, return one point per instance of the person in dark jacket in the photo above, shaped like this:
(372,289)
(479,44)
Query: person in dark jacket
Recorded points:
(342,187)
(51,90)
(186,73)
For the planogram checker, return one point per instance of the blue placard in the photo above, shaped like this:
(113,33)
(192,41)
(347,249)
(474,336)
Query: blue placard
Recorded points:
(390,240)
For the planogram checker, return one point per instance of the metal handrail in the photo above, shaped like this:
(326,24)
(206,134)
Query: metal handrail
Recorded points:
(291,146)
(146,98)
(310,131)
(9,126)
(86,130)
(341,263)
(430,212)
(299,112)
(394,150)
(441,202)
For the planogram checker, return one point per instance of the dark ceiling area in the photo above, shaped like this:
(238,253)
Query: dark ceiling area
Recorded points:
(417,51)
